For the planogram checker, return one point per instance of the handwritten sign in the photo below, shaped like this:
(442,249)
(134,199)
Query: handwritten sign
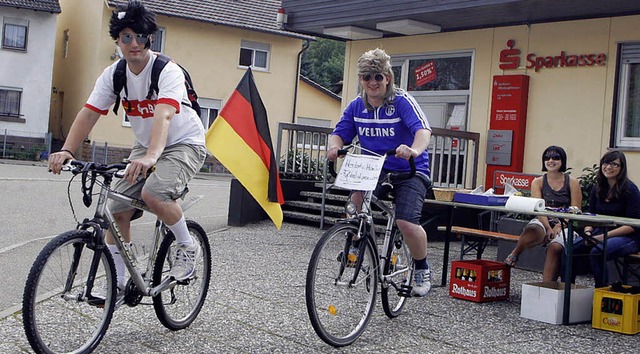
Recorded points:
(360,172)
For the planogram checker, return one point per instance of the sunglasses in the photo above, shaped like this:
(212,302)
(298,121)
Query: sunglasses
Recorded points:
(552,157)
(141,38)
(377,77)
(611,164)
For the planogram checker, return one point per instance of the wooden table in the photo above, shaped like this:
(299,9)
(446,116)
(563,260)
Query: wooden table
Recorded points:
(572,221)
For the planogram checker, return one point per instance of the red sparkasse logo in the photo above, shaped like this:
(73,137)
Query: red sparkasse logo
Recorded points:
(510,59)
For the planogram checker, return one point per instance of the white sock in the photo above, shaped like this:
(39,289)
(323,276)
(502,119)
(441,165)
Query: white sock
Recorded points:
(181,232)
(119,262)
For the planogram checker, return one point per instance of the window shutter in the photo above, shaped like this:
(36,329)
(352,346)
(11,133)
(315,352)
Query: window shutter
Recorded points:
(630,53)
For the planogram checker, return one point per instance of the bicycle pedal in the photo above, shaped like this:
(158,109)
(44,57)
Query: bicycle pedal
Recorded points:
(405,290)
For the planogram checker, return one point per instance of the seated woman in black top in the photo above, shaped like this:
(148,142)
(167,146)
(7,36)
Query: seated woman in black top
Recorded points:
(614,194)
(559,190)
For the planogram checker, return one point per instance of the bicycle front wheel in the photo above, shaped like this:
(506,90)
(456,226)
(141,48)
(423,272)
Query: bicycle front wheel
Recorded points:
(340,297)
(59,317)
(178,307)
(398,272)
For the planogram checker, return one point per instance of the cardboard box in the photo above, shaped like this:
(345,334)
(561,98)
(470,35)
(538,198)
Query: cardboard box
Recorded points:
(493,200)
(479,280)
(616,311)
(544,301)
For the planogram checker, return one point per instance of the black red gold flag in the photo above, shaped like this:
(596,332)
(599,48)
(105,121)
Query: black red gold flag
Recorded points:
(240,139)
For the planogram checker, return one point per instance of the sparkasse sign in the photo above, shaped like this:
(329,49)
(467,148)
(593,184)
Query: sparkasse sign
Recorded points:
(510,59)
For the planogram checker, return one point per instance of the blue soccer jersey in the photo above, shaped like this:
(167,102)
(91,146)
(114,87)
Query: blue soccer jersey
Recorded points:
(385,128)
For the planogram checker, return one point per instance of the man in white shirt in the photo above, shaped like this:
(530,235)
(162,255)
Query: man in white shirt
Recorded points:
(169,135)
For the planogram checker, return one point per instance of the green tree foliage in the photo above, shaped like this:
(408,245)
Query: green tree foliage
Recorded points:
(323,62)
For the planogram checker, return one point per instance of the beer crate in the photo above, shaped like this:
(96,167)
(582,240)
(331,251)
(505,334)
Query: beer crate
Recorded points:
(616,311)
(479,280)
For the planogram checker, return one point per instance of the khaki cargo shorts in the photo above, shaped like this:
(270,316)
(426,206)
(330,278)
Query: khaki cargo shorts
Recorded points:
(176,166)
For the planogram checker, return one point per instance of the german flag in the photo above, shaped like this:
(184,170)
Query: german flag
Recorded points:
(240,139)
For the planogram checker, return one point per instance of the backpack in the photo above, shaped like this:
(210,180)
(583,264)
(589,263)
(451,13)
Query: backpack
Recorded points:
(120,82)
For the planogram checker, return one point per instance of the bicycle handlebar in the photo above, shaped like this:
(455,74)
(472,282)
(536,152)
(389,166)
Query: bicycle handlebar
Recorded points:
(77,167)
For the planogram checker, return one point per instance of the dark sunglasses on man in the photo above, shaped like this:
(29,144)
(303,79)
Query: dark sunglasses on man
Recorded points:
(141,38)
(377,77)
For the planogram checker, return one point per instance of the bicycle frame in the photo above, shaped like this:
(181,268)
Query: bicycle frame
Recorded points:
(103,213)
(365,221)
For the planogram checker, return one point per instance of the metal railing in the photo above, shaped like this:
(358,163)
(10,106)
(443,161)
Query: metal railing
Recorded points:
(21,145)
(304,149)
(453,154)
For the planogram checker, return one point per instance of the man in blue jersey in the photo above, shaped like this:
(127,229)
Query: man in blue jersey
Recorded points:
(384,117)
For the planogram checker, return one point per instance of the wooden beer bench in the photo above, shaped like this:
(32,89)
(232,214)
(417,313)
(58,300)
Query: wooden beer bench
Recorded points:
(474,241)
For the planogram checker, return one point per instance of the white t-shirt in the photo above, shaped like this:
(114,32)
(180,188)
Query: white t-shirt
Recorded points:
(185,126)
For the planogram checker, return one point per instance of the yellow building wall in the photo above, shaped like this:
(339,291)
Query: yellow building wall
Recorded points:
(567,106)
(209,52)
(74,76)
(312,103)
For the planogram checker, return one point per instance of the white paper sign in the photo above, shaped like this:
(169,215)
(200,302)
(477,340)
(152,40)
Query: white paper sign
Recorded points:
(360,172)
(457,116)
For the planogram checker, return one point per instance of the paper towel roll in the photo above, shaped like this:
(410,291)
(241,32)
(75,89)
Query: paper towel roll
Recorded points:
(524,204)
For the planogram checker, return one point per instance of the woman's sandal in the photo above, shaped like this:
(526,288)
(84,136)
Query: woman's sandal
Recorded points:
(511,260)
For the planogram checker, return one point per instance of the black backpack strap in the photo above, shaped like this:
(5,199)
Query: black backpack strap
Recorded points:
(120,82)
(159,64)
(191,91)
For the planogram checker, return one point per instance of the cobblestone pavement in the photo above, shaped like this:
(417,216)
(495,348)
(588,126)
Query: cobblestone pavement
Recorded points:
(256,305)
(256,298)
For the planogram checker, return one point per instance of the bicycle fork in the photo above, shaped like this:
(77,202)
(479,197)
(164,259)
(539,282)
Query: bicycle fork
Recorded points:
(358,241)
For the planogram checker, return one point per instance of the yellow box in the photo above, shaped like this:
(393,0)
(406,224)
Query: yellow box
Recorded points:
(616,311)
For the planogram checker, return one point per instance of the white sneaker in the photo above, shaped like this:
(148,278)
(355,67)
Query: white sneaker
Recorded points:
(422,282)
(184,264)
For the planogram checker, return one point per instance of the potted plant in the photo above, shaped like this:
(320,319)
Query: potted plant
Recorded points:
(587,182)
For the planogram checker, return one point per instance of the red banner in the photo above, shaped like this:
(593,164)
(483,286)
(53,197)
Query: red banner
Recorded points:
(425,73)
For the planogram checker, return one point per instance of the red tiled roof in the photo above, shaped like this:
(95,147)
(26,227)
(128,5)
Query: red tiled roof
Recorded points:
(52,6)
(257,15)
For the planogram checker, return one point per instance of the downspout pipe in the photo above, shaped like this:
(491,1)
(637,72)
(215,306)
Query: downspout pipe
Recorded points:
(305,46)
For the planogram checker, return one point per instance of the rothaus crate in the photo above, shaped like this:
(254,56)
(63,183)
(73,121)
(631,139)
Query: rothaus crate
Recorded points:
(479,280)
(617,309)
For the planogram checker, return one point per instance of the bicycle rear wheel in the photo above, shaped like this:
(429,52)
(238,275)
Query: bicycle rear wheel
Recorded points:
(340,309)
(178,307)
(58,317)
(398,272)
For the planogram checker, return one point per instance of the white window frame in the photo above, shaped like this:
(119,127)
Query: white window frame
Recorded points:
(255,47)
(624,74)
(65,43)
(206,105)
(161,31)
(19,23)
(12,117)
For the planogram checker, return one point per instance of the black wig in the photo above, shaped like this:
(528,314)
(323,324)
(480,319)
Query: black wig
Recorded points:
(134,16)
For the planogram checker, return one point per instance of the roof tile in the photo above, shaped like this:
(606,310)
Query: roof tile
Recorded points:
(37,5)
(249,14)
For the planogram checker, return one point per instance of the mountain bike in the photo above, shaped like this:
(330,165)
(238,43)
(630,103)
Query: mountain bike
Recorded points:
(340,291)
(61,310)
